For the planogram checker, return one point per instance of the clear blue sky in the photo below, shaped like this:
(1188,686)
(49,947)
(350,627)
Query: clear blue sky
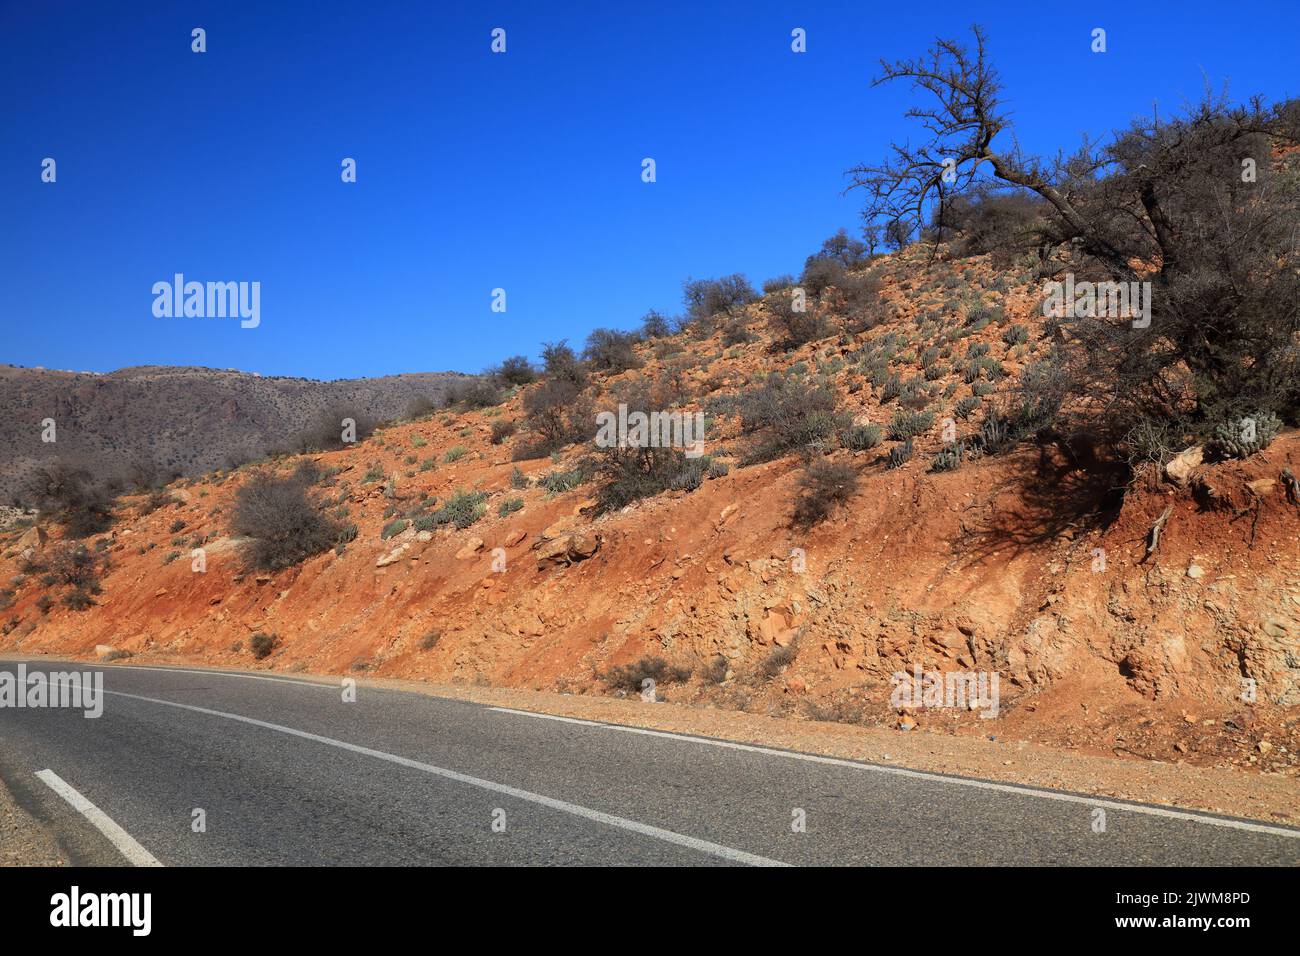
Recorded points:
(478,171)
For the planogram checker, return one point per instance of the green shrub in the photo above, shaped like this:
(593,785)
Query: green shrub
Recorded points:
(397,526)
(860,437)
(632,473)
(558,482)
(784,414)
(906,424)
(462,509)
(891,390)
(509,506)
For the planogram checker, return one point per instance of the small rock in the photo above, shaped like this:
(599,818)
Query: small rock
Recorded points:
(1181,466)
(1196,572)
(471,547)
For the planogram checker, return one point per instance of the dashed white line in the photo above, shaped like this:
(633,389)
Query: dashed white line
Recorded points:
(101,821)
(924,775)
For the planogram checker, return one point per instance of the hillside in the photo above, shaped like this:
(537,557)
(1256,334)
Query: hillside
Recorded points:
(991,566)
(187,420)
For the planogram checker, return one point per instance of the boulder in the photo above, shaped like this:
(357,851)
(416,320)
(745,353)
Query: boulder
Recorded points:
(470,548)
(1179,468)
(33,538)
(565,550)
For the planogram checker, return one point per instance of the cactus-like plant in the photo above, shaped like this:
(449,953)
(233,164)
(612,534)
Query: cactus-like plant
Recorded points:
(949,457)
(1243,437)
(899,454)
(966,406)
(995,432)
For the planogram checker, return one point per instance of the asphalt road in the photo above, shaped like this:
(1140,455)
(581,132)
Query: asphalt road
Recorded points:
(286,772)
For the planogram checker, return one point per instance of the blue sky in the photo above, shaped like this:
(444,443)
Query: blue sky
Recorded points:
(477,171)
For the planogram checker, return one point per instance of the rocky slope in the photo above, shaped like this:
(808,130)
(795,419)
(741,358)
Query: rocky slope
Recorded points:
(187,420)
(1021,564)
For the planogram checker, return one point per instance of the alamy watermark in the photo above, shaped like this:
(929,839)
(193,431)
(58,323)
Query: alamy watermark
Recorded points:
(210,300)
(626,429)
(963,690)
(65,689)
(1100,300)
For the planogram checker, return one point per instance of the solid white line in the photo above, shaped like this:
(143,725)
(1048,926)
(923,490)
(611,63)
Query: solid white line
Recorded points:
(101,821)
(924,775)
(216,673)
(668,836)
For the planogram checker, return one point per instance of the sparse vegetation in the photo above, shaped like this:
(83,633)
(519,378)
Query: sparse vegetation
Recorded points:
(462,509)
(262,644)
(784,414)
(823,487)
(632,677)
(72,497)
(285,523)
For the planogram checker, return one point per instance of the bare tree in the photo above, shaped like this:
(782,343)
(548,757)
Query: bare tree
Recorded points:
(1165,202)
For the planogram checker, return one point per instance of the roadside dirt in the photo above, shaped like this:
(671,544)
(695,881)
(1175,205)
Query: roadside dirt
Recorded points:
(23,839)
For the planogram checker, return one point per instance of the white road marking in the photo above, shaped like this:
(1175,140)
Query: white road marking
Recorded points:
(668,836)
(924,775)
(101,821)
(216,673)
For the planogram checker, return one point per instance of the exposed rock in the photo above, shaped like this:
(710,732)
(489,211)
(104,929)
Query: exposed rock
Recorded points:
(1263,487)
(33,538)
(565,550)
(1179,468)
(470,548)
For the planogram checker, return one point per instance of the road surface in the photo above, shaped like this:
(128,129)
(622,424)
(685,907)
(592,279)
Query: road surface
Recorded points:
(280,770)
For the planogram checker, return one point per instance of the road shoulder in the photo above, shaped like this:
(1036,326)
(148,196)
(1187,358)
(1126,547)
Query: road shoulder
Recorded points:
(25,840)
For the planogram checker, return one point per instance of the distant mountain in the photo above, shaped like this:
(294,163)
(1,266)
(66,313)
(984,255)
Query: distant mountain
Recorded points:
(187,419)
